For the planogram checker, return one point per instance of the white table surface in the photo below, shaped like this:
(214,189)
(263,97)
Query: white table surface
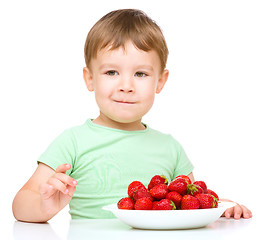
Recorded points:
(114,229)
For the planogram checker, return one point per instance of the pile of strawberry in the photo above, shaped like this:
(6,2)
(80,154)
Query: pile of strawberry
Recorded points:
(181,193)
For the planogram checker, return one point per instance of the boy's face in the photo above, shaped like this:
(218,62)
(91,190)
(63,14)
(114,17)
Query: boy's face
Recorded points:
(125,83)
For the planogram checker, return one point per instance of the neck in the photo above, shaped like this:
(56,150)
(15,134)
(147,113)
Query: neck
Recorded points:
(107,122)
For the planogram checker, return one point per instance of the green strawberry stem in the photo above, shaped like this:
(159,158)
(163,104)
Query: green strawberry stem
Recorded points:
(191,188)
(173,205)
(166,180)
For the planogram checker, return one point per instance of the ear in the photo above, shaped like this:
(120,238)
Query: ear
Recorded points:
(162,80)
(88,79)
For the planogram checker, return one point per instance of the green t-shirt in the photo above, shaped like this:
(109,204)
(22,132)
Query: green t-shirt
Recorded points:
(105,161)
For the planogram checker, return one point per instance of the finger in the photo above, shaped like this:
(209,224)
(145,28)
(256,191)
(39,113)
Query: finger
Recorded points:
(46,190)
(63,168)
(65,179)
(71,190)
(58,185)
(246,212)
(229,212)
(237,211)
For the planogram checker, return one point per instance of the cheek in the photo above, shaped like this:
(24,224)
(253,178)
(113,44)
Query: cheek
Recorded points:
(150,100)
(147,94)
(148,89)
(103,88)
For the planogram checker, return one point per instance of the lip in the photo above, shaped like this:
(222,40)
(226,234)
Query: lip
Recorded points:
(124,102)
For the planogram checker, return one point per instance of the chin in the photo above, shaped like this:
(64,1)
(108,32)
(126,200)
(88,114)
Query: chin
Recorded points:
(126,120)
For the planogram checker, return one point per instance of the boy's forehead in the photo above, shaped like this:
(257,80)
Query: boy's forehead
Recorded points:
(123,49)
(127,60)
(128,50)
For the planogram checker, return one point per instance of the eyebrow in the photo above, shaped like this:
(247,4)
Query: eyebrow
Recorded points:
(107,65)
(148,67)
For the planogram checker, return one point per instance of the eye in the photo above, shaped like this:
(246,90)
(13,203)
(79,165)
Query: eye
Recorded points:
(140,74)
(112,73)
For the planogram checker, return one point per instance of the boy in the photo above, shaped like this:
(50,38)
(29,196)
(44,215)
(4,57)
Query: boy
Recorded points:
(91,165)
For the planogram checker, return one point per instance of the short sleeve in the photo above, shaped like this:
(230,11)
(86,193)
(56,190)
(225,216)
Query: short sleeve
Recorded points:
(61,150)
(183,164)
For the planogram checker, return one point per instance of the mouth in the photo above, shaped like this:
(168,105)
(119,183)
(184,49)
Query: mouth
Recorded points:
(124,102)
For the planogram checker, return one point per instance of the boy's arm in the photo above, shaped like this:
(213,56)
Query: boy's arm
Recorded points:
(44,195)
(237,211)
(191,177)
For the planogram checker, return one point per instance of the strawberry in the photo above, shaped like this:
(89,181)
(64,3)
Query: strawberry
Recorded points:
(154,204)
(202,185)
(143,204)
(184,177)
(164,204)
(159,191)
(209,191)
(189,202)
(125,203)
(215,204)
(134,186)
(193,189)
(206,200)
(157,179)
(140,193)
(215,196)
(175,197)
(178,185)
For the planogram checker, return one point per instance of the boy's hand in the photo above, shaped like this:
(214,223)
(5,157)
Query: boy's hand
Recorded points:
(58,191)
(237,211)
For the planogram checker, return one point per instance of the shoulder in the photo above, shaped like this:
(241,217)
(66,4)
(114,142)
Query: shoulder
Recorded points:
(70,136)
(160,134)
(76,130)
(165,137)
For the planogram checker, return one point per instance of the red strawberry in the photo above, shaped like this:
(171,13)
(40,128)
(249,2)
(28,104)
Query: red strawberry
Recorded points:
(178,185)
(134,186)
(189,202)
(193,189)
(209,191)
(175,197)
(154,204)
(202,185)
(215,196)
(215,204)
(157,179)
(143,204)
(126,203)
(164,204)
(159,191)
(184,177)
(206,200)
(140,193)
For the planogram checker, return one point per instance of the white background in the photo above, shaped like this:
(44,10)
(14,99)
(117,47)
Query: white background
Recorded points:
(212,103)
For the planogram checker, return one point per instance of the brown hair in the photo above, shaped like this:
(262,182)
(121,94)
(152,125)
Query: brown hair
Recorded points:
(117,27)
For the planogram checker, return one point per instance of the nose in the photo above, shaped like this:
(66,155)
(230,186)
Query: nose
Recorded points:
(126,85)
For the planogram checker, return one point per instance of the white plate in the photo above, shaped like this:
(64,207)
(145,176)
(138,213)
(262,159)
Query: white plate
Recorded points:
(169,219)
